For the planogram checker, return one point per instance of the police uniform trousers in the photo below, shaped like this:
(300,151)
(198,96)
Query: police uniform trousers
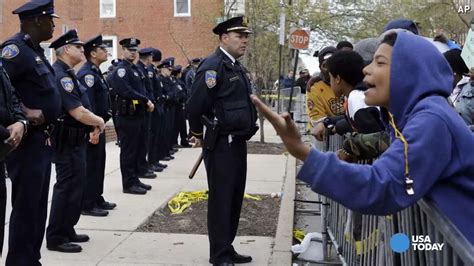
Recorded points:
(180,123)
(95,171)
(131,137)
(154,146)
(29,168)
(172,126)
(167,130)
(66,205)
(160,143)
(226,168)
(145,142)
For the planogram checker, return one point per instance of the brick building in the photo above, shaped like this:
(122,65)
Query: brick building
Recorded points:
(179,28)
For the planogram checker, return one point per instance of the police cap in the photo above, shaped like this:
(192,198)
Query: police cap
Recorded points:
(36,8)
(146,51)
(177,69)
(196,60)
(168,62)
(130,43)
(237,24)
(95,42)
(70,37)
(156,55)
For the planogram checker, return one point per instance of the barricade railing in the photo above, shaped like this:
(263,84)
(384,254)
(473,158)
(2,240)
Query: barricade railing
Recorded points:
(365,239)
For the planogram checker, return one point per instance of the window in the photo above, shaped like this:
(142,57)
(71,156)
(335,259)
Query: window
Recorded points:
(182,8)
(111,42)
(48,52)
(107,8)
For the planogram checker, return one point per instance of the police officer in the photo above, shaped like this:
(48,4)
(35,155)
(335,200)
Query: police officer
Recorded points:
(92,79)
(180,118)
(159,146)
(11,119)
(71,133)
(191,74)
(145,60)
(113,97)
(222,91)
(171,100)
(132,104)
(29,166)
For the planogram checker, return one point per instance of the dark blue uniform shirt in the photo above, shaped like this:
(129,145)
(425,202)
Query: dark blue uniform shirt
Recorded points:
(73,94)
(146,79)
(31,75)
(92,79)
(127,82)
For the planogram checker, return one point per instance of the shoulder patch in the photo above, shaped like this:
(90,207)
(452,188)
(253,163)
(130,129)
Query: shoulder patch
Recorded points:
(89,79)
(121,72)
(67,84)
(10,51)
(211,78)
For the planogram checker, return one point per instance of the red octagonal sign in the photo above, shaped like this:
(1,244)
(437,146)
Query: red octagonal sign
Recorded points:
(299,39)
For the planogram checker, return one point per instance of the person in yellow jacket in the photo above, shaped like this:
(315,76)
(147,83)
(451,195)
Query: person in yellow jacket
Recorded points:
(321,101)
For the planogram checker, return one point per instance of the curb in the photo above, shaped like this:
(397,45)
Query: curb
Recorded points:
(281,254)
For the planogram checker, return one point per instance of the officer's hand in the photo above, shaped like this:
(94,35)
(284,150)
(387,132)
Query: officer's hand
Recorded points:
(319,132)
(101,125)
(151,106)
(16,134)
(196,142)
(286,129)
(35,116)
(94,136)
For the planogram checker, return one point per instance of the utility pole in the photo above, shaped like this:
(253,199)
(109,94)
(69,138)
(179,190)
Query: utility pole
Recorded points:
(282,42)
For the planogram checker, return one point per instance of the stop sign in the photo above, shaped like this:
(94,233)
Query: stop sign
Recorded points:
(299,39)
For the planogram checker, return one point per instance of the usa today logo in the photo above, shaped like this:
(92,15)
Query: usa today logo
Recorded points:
(401,243)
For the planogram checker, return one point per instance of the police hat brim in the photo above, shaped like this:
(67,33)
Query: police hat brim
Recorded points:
(240,30)
(77,43)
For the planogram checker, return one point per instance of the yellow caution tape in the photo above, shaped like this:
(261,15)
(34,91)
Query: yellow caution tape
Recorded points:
(298,234)
(257,198)
(183,200)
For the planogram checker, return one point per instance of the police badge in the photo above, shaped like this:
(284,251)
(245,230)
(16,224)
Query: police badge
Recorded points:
(10,51)
(89,79)
(121,72)
(67,84)
(211,78)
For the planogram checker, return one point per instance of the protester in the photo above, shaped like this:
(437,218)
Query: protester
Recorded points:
(303,79)
(345,71)
(417,164)
(462,96)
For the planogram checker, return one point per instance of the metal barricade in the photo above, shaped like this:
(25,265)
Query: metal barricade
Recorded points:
(298,106)
(365,239)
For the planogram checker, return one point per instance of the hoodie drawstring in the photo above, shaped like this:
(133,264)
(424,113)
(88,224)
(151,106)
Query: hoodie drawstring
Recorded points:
(399,135)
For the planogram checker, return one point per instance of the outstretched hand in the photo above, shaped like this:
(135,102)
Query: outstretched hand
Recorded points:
(285,128)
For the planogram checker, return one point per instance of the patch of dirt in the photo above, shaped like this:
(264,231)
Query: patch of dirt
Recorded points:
(257,218)
(254,147)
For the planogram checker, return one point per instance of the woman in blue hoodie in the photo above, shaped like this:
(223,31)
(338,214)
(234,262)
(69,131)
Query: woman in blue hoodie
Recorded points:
(431,153)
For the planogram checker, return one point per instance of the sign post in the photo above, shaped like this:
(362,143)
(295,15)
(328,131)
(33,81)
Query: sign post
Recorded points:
(299,40)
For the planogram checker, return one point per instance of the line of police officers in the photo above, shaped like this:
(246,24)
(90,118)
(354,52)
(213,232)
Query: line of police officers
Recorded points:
(51,114)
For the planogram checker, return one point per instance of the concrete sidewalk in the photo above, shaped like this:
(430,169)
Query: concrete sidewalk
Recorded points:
(114,240)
